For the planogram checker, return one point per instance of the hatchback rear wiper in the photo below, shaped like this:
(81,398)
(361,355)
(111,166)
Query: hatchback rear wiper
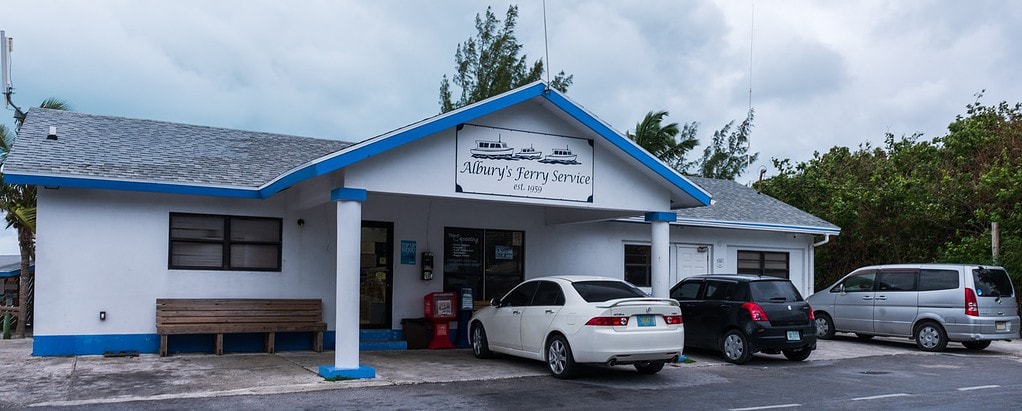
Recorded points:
(781,299)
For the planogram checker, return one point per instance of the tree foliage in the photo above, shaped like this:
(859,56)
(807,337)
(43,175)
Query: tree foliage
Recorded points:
(667,142)
(489,64)
(728,156)
(916,201)
(19,205)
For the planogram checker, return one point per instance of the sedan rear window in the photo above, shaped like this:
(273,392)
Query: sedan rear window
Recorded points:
(992,282)
(773,291)
(600,291)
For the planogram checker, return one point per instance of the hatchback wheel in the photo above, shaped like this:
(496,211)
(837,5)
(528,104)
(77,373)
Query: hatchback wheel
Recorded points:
(824,326)
(480,347)
(976,345)
(736,347)
(797,355)
(649,367)
(930,336)
(559,359)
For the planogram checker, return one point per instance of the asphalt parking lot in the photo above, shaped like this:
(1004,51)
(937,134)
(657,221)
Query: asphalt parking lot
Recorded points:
(97,379)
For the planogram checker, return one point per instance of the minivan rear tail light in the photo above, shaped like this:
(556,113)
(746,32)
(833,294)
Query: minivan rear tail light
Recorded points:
(755,311)
(971,305)
(608,321)
(672,319)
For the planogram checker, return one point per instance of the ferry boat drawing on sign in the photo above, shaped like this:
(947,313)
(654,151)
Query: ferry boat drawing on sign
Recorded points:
(529,154)
(560,156)
(492,149)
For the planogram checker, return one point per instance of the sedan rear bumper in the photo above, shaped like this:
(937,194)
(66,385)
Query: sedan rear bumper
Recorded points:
(604,345)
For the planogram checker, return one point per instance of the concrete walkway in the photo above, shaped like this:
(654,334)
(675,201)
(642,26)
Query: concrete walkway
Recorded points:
(96,379)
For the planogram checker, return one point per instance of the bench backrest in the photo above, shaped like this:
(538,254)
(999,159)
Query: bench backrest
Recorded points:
(195,311)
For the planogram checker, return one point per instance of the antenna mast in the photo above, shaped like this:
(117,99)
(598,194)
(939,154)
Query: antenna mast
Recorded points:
(546,46)
(752,27)
(6,47)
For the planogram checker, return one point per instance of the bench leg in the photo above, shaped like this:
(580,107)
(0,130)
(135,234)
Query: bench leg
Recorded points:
(317,341)
(219,344)
(163,345)
(270,340)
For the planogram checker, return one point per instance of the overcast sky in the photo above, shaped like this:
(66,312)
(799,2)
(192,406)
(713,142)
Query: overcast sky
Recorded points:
(823,74)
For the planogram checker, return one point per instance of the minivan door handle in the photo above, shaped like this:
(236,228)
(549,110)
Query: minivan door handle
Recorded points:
(867,297)
(881,297)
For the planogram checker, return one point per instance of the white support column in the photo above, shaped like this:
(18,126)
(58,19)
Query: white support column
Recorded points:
(349,236)
(660,226)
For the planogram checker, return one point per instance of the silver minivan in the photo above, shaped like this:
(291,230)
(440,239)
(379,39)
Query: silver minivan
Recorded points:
(930,303)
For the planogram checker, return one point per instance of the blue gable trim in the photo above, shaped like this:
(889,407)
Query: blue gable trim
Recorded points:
(376,146)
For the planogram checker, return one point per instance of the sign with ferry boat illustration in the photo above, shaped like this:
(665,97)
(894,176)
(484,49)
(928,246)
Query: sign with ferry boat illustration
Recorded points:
(519,163)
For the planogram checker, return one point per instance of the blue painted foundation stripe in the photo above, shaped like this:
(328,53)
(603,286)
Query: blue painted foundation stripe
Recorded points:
(60,345)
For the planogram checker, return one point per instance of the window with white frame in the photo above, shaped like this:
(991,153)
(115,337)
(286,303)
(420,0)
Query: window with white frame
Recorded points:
(764,263)
(219,242)
(638,264)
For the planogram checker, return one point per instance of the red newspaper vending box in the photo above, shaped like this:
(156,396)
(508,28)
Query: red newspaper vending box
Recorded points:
(441,309)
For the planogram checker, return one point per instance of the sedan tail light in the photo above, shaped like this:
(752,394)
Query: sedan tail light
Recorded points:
(971,305)
(755,311)
(672,319)
(608,321)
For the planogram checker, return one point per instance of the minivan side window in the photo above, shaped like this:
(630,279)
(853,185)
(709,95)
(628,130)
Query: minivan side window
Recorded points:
(858,282)
(897,281)
(933,280)
(992,282)
(688,290)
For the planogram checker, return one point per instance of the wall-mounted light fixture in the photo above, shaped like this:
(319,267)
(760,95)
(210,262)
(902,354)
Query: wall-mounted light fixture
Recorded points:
(102,315)
(301,222)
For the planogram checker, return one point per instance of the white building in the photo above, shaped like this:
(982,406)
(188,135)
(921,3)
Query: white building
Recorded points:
(521,185)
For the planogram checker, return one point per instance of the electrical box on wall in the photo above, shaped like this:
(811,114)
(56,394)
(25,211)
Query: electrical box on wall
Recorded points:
(427,265)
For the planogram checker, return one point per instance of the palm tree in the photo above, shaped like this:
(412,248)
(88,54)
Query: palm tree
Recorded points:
(19,203)
(667,142)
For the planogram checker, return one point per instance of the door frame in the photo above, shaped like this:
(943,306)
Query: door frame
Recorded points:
(388,295)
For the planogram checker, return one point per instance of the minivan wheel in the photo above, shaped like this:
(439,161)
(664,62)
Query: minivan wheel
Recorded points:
(976,345)
(930,336)
(559,359)
(824,326)
(736,347)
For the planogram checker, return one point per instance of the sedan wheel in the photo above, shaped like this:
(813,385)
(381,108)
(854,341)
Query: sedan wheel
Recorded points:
(480,347)
(649,367)
(559,359)
(736,347)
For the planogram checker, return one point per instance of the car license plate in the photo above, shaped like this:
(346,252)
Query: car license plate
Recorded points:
(647,321)
(793,336)
(1001,325)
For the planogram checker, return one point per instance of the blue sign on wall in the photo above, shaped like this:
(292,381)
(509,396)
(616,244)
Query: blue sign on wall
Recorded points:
(407,252)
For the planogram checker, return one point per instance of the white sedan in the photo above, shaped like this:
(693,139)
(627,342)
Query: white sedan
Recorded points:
(568,320)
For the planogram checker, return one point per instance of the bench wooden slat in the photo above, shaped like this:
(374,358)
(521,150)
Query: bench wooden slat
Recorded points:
(239,315)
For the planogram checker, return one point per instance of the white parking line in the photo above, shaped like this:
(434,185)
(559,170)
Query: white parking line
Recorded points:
(876,397)
(767,407)
(979,387)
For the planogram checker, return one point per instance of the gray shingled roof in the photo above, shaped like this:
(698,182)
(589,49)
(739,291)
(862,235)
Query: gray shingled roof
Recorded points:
(737,203)
(117,148)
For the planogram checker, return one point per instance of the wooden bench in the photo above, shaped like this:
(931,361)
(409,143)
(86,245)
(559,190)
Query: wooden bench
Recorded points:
(227,315)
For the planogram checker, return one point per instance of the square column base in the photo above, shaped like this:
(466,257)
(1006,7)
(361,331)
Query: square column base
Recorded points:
(329,371)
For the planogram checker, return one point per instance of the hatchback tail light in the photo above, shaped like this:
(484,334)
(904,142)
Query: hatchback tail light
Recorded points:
(755,311)
(811,315)
(672,319)
(608,321)
(971,305)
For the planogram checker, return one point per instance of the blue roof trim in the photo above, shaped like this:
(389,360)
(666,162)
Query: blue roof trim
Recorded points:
(430,127)
(348,194)
(153,187)
(733,224)
(618,141)
(662,216)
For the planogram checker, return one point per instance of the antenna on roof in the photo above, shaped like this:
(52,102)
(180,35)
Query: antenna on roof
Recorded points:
(6,47)
(752,27)
(546,46)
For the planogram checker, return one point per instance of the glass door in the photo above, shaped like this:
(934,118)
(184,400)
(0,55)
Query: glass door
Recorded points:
(377,250)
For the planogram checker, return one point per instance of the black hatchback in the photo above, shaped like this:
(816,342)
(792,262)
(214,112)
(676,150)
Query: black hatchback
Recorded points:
(742,314)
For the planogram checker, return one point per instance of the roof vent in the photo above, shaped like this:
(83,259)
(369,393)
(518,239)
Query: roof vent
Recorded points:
(53,133)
